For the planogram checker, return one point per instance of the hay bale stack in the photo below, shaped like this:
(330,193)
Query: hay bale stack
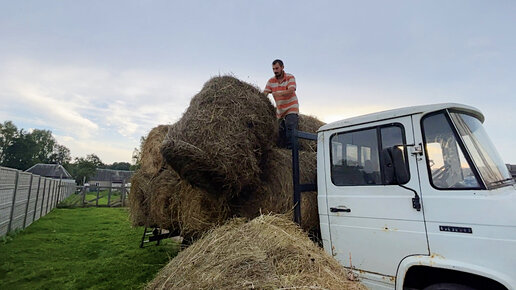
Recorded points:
(221,139)
(275,193)
(222,147)
(178,206)
(308,124)
(151,162)
(269,252)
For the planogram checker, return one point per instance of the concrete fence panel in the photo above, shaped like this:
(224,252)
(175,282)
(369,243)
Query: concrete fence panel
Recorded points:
(31,205)
(20,200)
(26,197)
(7,189)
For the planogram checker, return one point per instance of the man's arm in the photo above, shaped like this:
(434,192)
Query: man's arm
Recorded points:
(289,91)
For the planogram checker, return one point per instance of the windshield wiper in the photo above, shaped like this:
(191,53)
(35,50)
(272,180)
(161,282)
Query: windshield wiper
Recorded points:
(501,181)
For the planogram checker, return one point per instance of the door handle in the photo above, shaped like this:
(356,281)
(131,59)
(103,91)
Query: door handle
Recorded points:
(340,209)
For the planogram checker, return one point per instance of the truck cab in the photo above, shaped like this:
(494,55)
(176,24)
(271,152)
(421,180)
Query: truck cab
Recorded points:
(417,198)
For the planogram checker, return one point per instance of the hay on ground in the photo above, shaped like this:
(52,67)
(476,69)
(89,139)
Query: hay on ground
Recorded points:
(269,252)
(219,142)
(275,193)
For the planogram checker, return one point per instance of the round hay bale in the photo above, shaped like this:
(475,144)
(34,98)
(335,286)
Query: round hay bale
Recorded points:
(139,207)
(150,163)
(220,141)
(308,124)
(275,193)
(151,159)
(269,252)
(178,206)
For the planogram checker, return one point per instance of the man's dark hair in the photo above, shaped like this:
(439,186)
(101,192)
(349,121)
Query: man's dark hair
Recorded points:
(278,61)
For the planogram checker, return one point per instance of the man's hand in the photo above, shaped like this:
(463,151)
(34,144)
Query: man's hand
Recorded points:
(284,93)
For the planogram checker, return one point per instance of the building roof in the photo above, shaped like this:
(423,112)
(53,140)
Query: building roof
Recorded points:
(512,169)
(50,170)
(112,175)
(390,114)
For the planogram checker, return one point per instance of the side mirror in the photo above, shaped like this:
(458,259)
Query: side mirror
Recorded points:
(394,166)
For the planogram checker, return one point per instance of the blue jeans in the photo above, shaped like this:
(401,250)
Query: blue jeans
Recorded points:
(286,126)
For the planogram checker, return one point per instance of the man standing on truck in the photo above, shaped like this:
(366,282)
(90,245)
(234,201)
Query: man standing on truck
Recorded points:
(283,88)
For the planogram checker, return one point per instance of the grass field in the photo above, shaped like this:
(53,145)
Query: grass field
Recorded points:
(81,248)
(75,200)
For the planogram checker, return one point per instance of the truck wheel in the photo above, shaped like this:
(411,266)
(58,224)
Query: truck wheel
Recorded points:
(448,286)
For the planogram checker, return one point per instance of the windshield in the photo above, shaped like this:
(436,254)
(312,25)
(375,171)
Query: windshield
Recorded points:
(482,151)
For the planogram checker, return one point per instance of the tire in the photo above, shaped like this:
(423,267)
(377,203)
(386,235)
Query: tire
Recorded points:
(448,286)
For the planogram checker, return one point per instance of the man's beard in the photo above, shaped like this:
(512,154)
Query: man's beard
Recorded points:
(278,74)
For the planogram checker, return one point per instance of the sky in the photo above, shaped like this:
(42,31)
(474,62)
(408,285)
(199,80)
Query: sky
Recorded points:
(101,74)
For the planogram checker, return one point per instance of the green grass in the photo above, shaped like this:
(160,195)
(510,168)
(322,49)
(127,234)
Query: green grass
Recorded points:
(75,200)
(81,248)
(103,197)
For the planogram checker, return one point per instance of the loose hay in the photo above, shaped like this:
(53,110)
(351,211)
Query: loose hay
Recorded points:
(219,142)
(275,193)
(269,252)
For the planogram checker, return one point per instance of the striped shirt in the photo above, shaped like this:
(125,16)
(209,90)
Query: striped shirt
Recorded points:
(285,104)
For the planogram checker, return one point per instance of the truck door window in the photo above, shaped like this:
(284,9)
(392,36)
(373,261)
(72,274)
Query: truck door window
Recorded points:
(355,155)
(360,164)
(448,167)
(393,136)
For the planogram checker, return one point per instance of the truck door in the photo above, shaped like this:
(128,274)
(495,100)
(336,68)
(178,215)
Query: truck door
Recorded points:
(465,221)
(373,224)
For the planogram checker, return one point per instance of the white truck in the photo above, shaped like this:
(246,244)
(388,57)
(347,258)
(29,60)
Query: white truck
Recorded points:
(417,198)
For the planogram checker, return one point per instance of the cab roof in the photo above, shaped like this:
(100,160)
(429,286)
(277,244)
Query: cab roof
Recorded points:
(395,113)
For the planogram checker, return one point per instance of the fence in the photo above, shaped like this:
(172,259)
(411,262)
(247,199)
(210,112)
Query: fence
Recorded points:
(105,196)
(25,197)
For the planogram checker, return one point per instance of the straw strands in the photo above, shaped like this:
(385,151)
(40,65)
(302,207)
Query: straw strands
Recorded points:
(269,252)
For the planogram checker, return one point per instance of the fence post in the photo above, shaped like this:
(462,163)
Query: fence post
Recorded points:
(109,196)
(36,203)
(14,201)
(83,192)
(49,197)
(54,195)
(28,201)
(123,193)
(43,197)
(59,190)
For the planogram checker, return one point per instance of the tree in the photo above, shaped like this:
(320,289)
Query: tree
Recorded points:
(21,153)
(84,168)
(119,166)
(8,134)
(137,155)
(61,155)
(94,159)
(20,149)
(45,145)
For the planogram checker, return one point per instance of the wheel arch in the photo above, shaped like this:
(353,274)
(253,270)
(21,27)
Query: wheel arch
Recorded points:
(437,264)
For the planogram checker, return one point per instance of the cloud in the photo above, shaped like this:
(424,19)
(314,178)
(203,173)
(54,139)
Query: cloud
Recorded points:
(92,105)
(108,152)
